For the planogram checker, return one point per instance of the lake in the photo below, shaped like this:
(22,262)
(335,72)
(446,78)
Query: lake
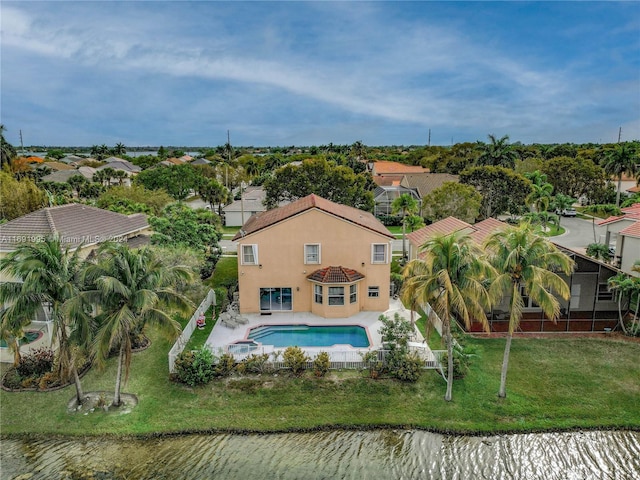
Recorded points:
(377,454)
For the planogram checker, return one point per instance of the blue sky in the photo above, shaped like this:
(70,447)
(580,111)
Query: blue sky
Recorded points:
(305,73)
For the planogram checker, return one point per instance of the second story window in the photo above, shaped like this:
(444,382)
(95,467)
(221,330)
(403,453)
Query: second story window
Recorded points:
(379,253)
(312,253)
(249,255)
(374,292)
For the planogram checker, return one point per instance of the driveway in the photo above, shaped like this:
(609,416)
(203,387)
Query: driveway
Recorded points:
(579,233)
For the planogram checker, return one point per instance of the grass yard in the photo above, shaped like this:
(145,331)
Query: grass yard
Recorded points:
(558,383)
(225,273)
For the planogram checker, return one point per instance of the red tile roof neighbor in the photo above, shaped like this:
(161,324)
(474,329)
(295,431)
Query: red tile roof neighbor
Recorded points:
(74,224)
(263,220)
(632,230)
(441,227)
(485,228)
(628,213)
(382,167)
(335,275)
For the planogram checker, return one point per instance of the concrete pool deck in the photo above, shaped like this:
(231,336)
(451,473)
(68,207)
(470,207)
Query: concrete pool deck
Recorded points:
(221,336)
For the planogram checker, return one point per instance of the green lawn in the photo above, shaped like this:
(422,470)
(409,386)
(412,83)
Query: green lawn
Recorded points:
(225,273)
(558,383)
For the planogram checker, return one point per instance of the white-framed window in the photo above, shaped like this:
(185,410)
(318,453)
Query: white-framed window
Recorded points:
(249,254)
(317,293)
(311,253)
(374,291)
(379,252)
(353,293)
(336,295)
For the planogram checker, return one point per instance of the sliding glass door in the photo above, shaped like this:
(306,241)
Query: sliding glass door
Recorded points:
(276,299)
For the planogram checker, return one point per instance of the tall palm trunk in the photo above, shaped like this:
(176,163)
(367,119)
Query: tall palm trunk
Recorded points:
(404,240)
(447,335)
(79,391)
(116,396)
(505,365)
(620,319)
(618,190)
(17,358)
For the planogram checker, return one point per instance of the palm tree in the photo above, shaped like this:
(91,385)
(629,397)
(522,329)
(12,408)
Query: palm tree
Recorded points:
(526,263)
(119,149)
(619,161)
(7,151)
(120,175)
(46,273)
(413,222)
(540,196)
(599,251)
(561,202)
(622,287)
(129,288)
(405,204)
(497,153)
(450,278)
(12,323)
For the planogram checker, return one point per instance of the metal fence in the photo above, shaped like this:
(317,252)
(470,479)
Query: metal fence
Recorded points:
(184,337)
(339,359)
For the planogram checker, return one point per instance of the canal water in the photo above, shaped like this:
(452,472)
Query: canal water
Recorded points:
(379,454)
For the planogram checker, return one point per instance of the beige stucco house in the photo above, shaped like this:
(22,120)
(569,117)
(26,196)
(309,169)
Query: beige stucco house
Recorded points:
(316,256)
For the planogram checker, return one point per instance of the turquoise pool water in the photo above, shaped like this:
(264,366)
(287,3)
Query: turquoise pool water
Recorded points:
(310,335)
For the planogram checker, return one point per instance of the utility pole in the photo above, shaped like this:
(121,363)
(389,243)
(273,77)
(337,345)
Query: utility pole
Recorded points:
(619,134)
(22,145)
(429,142)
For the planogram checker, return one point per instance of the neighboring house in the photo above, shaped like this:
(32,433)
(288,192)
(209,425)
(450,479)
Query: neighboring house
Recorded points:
(54,166)
(77,226)
(624,231)
(425,183)
(63,176)
(71,160)
(591,306)
(200,161)
(238,212)
(121,165)
(316,256)
(383,197)
(383,168)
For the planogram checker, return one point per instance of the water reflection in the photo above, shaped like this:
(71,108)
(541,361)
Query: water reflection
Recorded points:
(330,455)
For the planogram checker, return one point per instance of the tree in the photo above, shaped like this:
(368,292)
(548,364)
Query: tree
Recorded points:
(46,273)
(336,183)
(599,251)
(119,149)
(620,161)
(562,202)
(116,197)
(540,195)
(575,177)
(452,199)
(120,176)
(502,189)
(526,264)
(19,197)
(213,193)
(129,289)
(179,224)
(77,182)
(12,324)
(451,279)
(404,205)
(177,180)
(413,222)
(7,151)
(497,153)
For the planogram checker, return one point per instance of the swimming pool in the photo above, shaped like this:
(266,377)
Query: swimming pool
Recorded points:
(310,335)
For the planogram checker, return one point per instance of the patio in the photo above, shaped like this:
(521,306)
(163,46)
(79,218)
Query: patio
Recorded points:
(221,336)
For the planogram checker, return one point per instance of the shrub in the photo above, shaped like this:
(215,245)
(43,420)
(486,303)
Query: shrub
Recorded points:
(225,366)
(321,364)
(408,368)
(12,379)
(36,363)
(195,367)
(47,380)
(373,366)
(295,359)
(254,364)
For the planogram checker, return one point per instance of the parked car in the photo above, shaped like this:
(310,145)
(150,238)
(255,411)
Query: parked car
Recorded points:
(567,212)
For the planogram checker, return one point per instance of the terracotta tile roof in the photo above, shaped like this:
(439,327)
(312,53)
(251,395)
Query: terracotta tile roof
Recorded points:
(485,228)
(383,167)
(635,189)
(635,208)
(175,161)
(628,213)
(441,227)
(426,182)
(74,223)
(335,275)
(271,217)
(632,230)
(56,166)
(387,180)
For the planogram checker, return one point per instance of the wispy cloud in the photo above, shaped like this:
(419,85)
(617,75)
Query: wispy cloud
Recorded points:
(365,60)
